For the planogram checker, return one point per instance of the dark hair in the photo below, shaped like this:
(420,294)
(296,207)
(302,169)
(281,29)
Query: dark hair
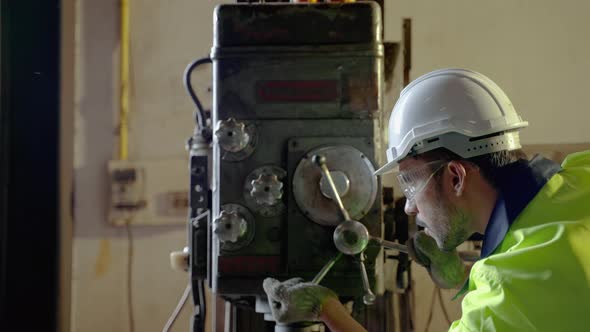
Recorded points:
(487,163)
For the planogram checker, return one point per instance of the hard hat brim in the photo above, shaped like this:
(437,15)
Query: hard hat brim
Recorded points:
(387,168)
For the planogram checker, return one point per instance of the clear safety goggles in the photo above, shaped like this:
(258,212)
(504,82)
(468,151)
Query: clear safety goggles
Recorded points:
(414,181)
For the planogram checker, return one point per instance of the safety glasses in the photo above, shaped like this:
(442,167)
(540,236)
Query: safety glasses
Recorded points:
(414,181)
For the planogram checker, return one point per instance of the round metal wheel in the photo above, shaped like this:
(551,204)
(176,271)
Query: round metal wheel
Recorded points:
(349,163)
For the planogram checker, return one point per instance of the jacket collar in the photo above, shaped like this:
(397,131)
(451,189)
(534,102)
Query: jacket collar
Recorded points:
(518,183)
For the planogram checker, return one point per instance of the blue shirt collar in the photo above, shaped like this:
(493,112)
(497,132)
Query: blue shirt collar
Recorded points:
(517,183)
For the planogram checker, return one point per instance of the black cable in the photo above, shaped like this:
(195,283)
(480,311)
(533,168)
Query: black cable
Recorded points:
(202,304)
(130,276)
(200,114)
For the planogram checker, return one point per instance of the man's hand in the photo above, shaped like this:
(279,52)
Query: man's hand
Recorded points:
(445,267)
(296,301)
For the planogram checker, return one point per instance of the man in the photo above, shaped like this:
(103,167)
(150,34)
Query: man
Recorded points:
(453,134)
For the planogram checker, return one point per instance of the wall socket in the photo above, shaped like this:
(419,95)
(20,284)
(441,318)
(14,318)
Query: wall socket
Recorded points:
(148,192)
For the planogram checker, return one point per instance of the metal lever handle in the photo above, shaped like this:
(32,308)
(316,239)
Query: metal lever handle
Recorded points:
(466,256)
(369,297)
(390,245)
(321,162)
(318,278)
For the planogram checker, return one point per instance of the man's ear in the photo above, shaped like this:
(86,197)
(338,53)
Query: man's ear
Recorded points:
(458,175)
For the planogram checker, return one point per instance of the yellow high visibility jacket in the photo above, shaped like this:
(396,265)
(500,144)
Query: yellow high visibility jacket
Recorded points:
(538,276)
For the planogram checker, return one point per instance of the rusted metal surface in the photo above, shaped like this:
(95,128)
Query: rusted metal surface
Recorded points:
(301,77)
(407,41)
(300,24)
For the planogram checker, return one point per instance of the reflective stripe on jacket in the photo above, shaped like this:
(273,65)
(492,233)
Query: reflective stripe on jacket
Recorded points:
(538,278)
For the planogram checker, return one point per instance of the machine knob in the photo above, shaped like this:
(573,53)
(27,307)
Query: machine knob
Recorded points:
(267,189)
(340,180)
(232,135)
(230,226)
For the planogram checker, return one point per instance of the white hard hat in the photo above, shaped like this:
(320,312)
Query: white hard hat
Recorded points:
(458,109)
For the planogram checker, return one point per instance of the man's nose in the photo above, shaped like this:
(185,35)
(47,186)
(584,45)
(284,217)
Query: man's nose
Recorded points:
(410,208)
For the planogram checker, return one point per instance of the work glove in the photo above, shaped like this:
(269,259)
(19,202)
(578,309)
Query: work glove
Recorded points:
(296,301)
(445,267)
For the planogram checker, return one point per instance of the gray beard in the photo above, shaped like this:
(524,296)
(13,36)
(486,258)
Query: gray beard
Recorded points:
(452,227)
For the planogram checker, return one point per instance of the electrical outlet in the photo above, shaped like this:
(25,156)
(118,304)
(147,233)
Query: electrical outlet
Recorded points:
(148,192)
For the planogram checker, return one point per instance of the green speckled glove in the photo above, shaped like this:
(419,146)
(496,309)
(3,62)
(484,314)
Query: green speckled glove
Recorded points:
(295,301)
(445,267)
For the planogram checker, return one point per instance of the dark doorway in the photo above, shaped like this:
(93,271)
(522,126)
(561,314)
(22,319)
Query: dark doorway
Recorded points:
(29,164)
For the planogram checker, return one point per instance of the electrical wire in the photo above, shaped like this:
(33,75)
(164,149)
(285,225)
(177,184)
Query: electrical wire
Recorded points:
(412,301)
(442,306)
(431,310)
(124,82)
(411,297)
(200,114)
(130,276)
(437,292)
(178,308)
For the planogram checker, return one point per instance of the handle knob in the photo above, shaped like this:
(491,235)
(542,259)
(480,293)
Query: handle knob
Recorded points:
(230,226)
(369,297)
(267,189)
(232,135)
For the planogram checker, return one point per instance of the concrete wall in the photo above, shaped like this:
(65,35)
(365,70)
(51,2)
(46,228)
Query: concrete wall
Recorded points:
(535,50)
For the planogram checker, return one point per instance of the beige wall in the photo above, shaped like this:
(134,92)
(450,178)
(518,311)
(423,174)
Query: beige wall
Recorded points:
(535,50)
(166,36)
